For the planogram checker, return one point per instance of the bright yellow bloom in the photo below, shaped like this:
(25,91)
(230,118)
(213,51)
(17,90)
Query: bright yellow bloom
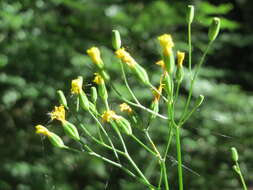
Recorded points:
(108,115)
(166,43)
(94,53)
(58,113)
(125,107)
(180,58)
(42,130)
(98,79)
(76,86)
(125,57)
(157,93)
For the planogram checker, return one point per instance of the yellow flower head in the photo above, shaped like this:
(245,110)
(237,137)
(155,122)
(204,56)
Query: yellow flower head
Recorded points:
(98,79)
(108,115)
(161,63)
(166,43)
(125,107)
(94,53)
(157,93)
(42,130)
(76,86)
(125,57)
(58,113)
(180,58)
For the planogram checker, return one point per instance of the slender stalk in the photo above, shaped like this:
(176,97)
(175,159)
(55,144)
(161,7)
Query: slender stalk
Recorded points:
(153,145)
(190,47)
(143,145)
(160,179)
(165,175)
(126,83)
(241,176)
(193,81)
(179,166)
(107,136)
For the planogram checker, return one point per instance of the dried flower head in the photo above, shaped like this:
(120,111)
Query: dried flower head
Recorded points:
(125,107)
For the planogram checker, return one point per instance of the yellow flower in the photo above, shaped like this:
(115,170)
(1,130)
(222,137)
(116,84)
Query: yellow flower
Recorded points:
(157,93)
(125,107)
(94,53)
(98,79)
(161,63)
(180,58)
(42,130)
(166,43)
(125,57)
(108,115)
(76,86)
(58,113)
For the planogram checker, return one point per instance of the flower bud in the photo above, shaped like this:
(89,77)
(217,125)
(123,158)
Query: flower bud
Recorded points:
(190,13)
(234,153)
(214,29)
(155,108)
(179,74)
(102,91)
(71,130)
(236,168)
(93,108)
(124,125)
(94,94)
(168,84)
(83,100)
(116,40)
(199,100)
(62,99)
(169,61)
(142,74)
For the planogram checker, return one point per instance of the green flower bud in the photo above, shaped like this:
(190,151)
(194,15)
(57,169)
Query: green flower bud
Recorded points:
(56,141)
(93,108)
(116,40)
(62,99)
(83,100)
(94,94)
(168,84)
(169,62)
(70,130)
(214,29)
(234,153)
(124,125)
(199,100)
(141,73)
(179,74)
(105,75)
(190,13)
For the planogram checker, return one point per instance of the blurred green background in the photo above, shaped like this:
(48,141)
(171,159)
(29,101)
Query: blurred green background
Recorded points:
(42,48)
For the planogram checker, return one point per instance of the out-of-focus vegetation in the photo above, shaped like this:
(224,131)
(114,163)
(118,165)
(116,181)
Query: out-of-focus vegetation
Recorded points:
(42,47)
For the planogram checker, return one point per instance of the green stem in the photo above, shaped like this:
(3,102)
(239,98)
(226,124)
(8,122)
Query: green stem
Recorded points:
(107,136)
(190,47)
(126,83)
(179,166)
(165,175)
(160,179)
(193,81)
(241,177)
(143,145)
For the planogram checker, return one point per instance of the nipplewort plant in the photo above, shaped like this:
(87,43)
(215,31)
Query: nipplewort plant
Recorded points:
(104,116)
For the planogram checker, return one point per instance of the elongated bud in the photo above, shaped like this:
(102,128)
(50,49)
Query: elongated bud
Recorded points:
(168,84)
(142,74)
(234,154)
(116,40)
(180,74)
(102,91)
(190,13)
(214,29)
(94,94)
(71,130)
(93,108)
(124,125)
(53,138)
(62,99)
(83,100)
(199,100)
(155,108)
